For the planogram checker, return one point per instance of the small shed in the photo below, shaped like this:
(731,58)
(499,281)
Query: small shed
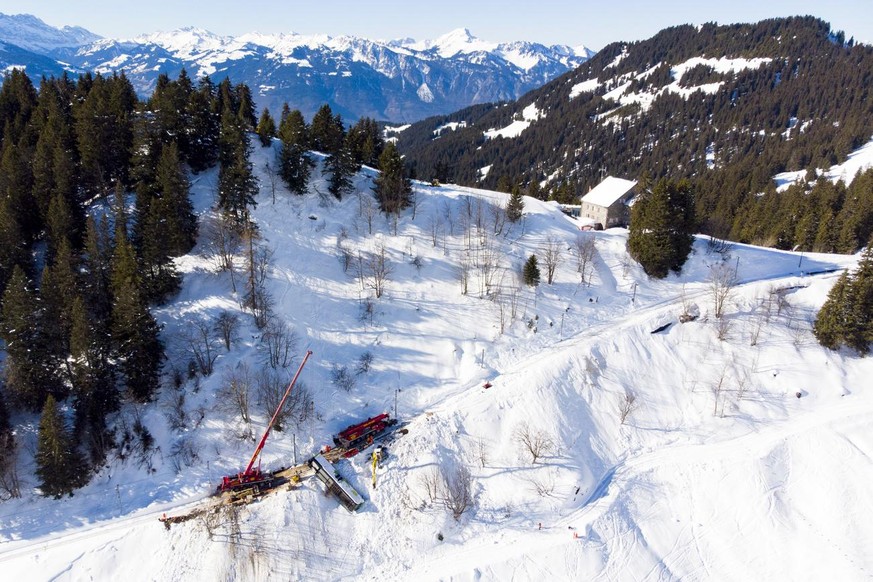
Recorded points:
(607,202)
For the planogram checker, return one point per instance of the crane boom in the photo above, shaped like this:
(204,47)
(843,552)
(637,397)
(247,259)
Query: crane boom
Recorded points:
(276,415)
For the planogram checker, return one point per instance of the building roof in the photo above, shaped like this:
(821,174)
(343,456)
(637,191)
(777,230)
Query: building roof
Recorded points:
(607,192)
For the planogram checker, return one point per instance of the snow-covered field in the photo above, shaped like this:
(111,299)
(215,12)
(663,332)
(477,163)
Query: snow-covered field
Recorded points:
(719,472)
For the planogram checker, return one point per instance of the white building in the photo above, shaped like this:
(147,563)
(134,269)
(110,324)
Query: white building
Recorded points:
(606,203)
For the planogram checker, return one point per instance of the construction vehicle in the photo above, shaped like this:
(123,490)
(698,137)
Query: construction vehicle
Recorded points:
(374,461)
(251,481)
(363,433)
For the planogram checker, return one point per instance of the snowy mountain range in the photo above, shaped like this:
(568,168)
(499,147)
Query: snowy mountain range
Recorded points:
(398,80)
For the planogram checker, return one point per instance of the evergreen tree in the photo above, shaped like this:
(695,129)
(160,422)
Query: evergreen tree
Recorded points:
(392,188)
(18,100)
(832,319)
(266,129)
(846,318)
(174,206)
(365,140)
(531,272)
(97,262)
(60,226)
(134,330)
(295,165)
(13,250)
(159,276)
(326,132)
(31,372)
(93,382)
(515,205)
(342,167)
(104,133)
(534,190)
(59,465)
(661,228)
(57,290)
(205,123)
(859,310)
(246,106)
(16,185)
(9,483)
(237,184)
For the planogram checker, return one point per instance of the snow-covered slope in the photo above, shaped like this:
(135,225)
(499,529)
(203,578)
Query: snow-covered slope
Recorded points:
(719,471)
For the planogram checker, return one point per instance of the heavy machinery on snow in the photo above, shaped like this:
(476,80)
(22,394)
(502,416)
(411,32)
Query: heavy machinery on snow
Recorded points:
(363,433)
(251,480)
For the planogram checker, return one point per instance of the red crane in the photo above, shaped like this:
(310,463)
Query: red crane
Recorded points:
(252,476)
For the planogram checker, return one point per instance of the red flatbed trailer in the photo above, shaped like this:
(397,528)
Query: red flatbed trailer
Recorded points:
(350,437)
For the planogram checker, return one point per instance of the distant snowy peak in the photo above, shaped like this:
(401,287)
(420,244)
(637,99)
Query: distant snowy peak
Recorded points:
(522,54)
(31,33)
(457,41)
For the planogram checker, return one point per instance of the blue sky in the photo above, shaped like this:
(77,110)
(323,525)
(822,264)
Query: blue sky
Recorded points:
(572,22)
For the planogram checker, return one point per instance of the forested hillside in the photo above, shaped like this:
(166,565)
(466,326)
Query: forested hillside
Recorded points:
(727,106)
(94,207)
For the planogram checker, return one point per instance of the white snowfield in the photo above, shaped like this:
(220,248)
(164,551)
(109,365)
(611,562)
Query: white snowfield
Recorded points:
(719,472)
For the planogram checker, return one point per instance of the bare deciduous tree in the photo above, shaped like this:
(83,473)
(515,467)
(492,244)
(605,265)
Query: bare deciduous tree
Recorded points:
(435,227)
(257,298)
(299,406)
(722,281)
(278,342)
(429,479)
(551,258)
(345,256)
(200,342)
(343,378)
(227,327)
(586,250)
(365,362)
(487,261)
(272,178)
(535,442)
(223,243)
(413,202)
(498,218)
(184,453)
(457,485)
(270,388)
(463,273)
(482,452)
(544,486)
(235,394)
(449,217)
(626,405)
(369,209)
(374,270)
(719,386)
(723,327)
(10,485)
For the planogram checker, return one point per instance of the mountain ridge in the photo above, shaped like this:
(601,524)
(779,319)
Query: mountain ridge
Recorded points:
(400,80)
(729,107)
